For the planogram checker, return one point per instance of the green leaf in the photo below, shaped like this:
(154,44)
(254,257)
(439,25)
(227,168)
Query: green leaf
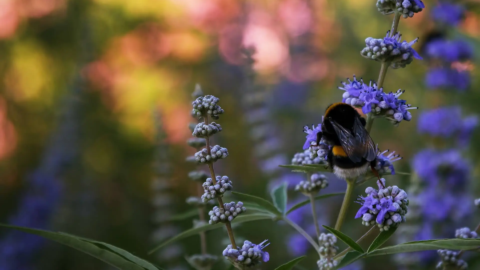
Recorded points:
(307,168)
(182,216)
(145,264)
(279,197)
(381,239)
(347,240)
(454,243)
(112,255)
(298,205)
(262,203)
(289,265)
(208,227)
(350,258)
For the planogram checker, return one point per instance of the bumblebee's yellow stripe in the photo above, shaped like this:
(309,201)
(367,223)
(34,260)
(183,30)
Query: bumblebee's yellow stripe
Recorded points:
(338,151)
(332,106)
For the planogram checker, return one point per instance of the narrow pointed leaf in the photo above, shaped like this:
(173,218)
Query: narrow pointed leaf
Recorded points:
(454,243)
(262,203)
(347,240)
(307,168)
(289,265)
(350,258)
(208,227)
(279,197)
(120,258)
(145,264)
(298,205)
(182,216)
(381,239)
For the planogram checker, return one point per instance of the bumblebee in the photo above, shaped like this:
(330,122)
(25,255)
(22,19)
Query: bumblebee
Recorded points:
(352,149)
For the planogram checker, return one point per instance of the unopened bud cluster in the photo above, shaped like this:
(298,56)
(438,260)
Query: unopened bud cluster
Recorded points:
(203,130)
(216,152)
(407,8)
(386,207)
(313,185)
(327,251)
(308,157)
(227,213)
(465,233)
(450,260)
(206,105)
(217,189)
(202,261)
(247,256)
(391,50)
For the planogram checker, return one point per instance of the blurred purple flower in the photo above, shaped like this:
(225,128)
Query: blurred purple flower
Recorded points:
(447,78)
(447,168)
(448,13)
(447,122)
(449,50)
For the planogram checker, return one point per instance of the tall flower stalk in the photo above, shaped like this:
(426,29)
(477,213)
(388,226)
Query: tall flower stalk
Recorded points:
(202,261)
(162,201)
(391,52)
(206,108)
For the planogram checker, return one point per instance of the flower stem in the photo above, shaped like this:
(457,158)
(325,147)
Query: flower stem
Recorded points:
(302,232)
(384,68)
(314,212)
(219,199)
(346,202)
(370,119)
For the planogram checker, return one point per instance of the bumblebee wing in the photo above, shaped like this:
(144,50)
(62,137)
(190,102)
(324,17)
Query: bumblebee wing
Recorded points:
(366,143)
(348,141)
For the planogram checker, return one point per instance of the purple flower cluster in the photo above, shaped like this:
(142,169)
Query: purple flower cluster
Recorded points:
(385,207)
(442,169)
(448,13)
(444,201)
(374,100)
(384,162)
(447,78)
(447,122)
(449,51)
(390,49)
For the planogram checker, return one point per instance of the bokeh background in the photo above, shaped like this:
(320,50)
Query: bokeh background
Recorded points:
(95,104)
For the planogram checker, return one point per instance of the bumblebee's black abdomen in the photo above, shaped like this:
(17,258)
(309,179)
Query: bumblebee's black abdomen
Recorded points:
(344,115)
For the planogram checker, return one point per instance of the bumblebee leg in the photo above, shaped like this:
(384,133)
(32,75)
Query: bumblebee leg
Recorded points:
(375,172)
(319,137)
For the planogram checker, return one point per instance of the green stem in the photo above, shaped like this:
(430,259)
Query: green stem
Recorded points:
(302,232)
(346,202)
(314,212)
(396,21)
